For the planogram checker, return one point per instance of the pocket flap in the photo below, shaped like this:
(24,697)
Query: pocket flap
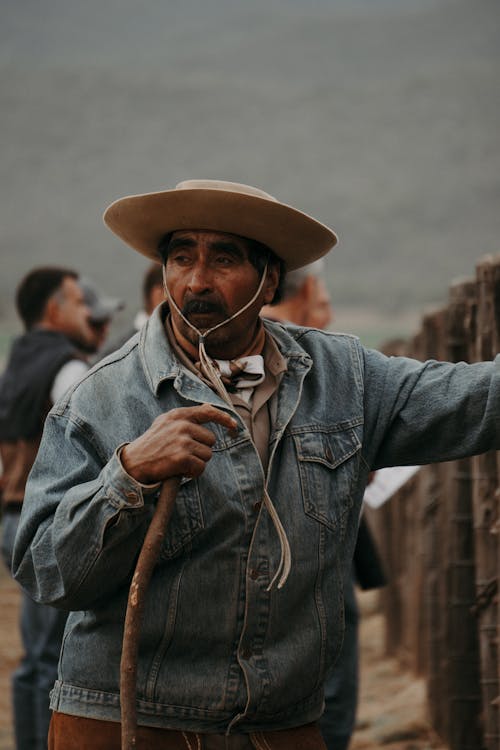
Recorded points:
(330,448)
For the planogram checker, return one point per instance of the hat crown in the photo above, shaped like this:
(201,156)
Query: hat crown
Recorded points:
(231,187)
(219,206)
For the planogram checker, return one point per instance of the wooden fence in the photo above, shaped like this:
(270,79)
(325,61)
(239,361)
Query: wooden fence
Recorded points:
(439,536)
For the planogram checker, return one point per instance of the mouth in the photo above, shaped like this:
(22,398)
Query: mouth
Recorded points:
(203,312)
(204,320)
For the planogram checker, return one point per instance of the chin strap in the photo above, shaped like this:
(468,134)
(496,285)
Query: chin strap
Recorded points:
(212,373)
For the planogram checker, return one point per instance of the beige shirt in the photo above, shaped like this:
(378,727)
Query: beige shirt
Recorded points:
(257,413)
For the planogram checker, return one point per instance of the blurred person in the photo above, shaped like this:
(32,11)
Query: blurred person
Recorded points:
(101,312)
(152,295)
(305,301)
(43,362)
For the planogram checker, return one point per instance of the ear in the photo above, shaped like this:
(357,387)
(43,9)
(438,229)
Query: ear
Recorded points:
(51,311)
(271,283)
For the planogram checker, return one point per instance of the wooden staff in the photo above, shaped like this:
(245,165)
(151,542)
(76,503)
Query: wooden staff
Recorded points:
(148,558)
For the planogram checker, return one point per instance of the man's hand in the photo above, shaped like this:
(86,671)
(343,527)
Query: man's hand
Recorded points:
(176,444)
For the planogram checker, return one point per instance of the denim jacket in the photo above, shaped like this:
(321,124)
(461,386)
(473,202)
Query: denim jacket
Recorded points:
(219,651)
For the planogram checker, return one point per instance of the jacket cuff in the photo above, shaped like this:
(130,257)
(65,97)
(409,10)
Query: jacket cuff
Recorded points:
(123,490)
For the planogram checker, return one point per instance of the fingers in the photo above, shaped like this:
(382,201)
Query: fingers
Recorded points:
(189,420)
(201,434)
(209,413)
(194,465)
(191,444)
(177,443)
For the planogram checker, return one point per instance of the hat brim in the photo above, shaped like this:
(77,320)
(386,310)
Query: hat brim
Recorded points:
(141,221)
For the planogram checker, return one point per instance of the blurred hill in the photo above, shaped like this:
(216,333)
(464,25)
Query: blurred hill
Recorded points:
(380,118)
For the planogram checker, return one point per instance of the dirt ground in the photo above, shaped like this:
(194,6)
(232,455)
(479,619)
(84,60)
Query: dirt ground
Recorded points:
(392,709)
(10,649)
(392,703)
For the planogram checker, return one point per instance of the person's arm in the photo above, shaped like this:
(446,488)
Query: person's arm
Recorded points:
(84,519)
(420,413)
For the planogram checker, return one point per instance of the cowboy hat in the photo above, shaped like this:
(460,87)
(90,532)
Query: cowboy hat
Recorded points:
(141,221)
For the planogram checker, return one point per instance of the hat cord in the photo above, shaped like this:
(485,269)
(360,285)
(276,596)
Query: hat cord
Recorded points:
(213,375)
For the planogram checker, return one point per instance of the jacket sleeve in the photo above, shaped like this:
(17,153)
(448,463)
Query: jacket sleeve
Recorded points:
(420,413)
(82,523)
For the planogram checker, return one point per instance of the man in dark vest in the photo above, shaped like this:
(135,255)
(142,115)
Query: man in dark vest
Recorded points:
(44,361)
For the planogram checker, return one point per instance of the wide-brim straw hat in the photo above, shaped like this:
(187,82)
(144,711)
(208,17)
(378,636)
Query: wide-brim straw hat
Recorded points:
(141,221)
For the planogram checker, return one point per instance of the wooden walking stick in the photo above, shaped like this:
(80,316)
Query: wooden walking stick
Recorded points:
(148,558)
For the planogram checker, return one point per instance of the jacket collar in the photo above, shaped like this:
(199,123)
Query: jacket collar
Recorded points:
(160,363)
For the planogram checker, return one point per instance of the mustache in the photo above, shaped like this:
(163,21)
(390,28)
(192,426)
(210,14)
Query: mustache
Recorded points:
(202,307)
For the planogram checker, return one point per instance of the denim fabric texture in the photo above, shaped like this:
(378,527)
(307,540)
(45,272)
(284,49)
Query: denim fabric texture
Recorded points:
(42,630)
(341,686)
(218,651)
(10,522)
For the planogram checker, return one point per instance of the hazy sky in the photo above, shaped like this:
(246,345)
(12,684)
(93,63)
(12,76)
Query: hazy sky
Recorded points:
(381,118)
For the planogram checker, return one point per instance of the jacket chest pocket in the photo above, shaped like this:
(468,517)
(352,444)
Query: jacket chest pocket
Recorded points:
(328,462)
(186,521)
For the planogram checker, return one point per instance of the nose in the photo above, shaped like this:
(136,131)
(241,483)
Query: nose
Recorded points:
(200,281)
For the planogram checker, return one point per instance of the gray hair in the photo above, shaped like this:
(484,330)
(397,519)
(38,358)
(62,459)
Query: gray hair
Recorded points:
(294,280)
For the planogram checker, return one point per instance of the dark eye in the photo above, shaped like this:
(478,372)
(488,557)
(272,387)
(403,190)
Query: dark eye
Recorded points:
(179,258)
(224,260)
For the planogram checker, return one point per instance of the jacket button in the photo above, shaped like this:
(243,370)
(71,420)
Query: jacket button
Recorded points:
(257,506)
(246,653)
(254,574)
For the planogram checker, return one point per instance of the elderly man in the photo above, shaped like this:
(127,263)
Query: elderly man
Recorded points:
(274,431)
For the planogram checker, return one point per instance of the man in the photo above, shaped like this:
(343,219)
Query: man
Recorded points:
(274,432)
(43,363)
(152,295)
(304,299)
(101,312)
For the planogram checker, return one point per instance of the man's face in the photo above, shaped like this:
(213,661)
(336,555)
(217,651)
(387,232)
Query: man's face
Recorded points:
(70,313)
(210,277)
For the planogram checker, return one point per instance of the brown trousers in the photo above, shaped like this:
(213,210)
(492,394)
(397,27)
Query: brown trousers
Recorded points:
(78,733)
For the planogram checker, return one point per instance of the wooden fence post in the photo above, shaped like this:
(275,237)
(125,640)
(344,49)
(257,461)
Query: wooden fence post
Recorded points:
(433,325)
(440,537)
(463,693)
(485,517)
(496,526)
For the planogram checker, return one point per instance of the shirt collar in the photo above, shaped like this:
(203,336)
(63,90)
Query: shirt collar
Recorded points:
(160,361)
